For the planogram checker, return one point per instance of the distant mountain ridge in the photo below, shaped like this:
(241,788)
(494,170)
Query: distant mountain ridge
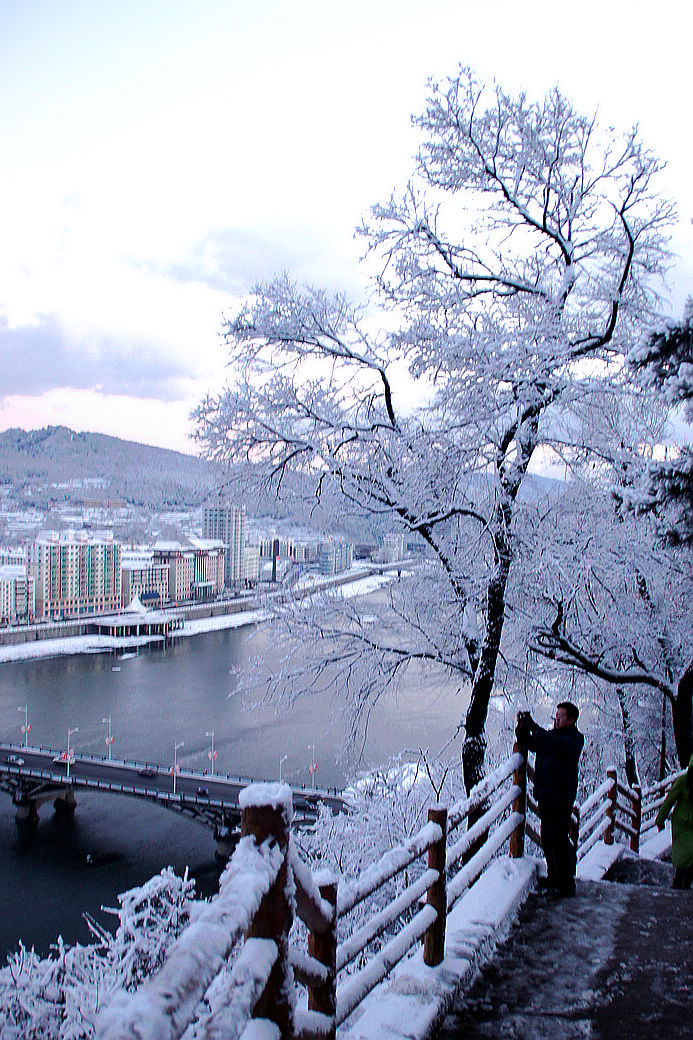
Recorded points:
(56,464)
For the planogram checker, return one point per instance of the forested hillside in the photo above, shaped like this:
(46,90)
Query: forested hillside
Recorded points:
(55,464)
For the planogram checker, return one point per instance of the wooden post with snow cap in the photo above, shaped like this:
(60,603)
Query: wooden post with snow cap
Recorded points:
(434,938)
(266,811)
(611,810)
(517,838)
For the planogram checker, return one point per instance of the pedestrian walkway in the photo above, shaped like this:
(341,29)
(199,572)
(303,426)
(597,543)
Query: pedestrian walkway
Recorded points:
(612,963)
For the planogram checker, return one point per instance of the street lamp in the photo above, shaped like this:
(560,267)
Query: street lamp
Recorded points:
(176,747)
(26,728)
(282,760)
(75,729)
(313,765)
(109,738)
(211,754)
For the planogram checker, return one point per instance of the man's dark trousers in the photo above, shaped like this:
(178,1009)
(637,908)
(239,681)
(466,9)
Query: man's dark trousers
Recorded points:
(558,852)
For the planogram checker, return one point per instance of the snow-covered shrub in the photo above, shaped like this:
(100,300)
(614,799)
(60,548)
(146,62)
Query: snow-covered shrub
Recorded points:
(58,996)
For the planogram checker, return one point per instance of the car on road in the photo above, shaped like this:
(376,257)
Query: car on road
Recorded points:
(202,791)
(14,760)
(148,771)
(63,758)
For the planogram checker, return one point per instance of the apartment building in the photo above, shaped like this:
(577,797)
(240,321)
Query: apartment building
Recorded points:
(334,556)
(17,594)
(226,523)
(393,548)
(75,573)
(144,579)
(195,569)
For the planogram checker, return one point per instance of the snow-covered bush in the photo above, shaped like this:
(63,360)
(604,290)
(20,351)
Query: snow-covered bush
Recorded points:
(59,996)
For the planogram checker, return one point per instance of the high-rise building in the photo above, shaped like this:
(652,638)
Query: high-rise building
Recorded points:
(227,524)
(195,568)
(75,574)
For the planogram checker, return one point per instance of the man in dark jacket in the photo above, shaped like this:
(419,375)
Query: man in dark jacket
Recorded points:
(555,787)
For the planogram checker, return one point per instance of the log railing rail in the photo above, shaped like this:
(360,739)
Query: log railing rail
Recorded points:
(239,947)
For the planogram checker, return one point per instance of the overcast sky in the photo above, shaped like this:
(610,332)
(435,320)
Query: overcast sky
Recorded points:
(161,155)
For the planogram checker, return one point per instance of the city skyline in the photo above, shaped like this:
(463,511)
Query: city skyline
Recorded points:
(161,160)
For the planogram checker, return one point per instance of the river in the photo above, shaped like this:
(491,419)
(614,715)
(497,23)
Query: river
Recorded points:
(51,874)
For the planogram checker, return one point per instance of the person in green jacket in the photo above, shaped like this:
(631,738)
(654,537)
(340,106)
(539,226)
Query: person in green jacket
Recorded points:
(680,799)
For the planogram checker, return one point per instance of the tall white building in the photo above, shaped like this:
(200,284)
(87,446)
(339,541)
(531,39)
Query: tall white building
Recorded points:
(75,574)
(227,524)
(393,548)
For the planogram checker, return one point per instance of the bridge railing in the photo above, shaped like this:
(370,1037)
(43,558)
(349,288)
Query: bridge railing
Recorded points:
(238,955)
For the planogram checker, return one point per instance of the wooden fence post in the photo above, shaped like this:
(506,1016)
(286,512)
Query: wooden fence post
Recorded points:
(517,838)
(324,949)
(611,811)
(574,834)
(273,919)
(637,821)
(434,938)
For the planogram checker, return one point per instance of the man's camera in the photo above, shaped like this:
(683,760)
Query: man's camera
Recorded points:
(524,718)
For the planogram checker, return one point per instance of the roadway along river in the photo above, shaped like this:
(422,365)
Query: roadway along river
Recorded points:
(160,697)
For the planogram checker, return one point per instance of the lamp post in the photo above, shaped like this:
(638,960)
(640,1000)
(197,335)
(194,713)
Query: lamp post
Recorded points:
(313,765)
(211,754)
(282,760)
(26,728)
(109,738)
(70,731)
(176,747)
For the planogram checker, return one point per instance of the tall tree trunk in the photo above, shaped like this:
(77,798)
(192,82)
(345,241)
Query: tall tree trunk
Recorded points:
(682,717)
(628,738)
(474,746)
(663,740)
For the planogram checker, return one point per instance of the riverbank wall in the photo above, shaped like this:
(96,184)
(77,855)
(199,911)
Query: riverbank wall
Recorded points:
(16,635)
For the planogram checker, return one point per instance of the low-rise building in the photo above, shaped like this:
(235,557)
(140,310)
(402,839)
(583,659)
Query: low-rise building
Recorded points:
(335,556)
(144,579)
(17,594)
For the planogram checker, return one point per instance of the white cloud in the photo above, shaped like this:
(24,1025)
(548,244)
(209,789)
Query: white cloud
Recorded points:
(163,158)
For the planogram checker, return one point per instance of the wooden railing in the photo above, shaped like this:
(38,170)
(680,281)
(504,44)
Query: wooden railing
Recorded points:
(236,961)
(612,813)
(237,964)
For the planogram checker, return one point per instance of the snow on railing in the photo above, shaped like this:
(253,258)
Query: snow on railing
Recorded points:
(165,1004)
(266,882)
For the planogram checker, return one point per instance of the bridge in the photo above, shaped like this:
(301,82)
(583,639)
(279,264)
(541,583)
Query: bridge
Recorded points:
(35,776)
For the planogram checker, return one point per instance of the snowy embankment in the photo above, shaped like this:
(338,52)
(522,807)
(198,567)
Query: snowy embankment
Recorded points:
(96,644)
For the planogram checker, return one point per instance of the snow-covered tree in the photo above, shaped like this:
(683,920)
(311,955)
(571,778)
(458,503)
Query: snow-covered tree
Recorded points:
(515,272)
(622,612)
(664,362)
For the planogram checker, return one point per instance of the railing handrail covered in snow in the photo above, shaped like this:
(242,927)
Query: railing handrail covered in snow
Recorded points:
(236,965)
(245,928)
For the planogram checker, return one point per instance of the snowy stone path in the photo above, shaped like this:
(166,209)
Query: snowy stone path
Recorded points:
(611,963)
